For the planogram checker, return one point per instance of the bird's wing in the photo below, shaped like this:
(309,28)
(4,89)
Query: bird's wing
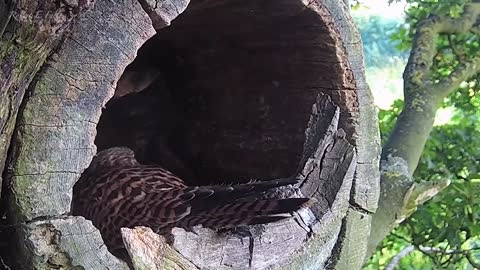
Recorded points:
(150,195)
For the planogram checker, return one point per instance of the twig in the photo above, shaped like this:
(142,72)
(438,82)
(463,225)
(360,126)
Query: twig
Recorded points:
(460,56)
(396,259)
(4,265)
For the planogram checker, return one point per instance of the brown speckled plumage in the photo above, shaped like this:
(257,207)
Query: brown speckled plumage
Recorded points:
(116,191)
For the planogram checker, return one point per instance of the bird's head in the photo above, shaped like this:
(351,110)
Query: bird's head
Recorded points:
(115,157)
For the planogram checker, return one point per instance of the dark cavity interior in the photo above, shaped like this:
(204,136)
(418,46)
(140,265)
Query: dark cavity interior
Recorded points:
(224,94)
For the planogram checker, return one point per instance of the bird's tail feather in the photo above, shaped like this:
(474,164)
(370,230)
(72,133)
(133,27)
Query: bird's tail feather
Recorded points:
(247,213)
(259,207)
(208,197)
(228,222)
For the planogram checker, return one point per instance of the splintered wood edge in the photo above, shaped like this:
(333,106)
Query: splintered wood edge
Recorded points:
(149,250)
(57,130)
(66,242)
(273,236)
(276,244)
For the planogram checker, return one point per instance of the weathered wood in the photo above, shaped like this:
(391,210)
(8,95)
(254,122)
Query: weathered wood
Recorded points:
(162,12)
(366,138)
(65,243)
(234,87)
(29,31)
(327,176)
(247,73)
(150,251)
(55,132)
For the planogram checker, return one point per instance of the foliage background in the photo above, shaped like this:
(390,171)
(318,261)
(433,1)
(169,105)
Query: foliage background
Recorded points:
(445,231)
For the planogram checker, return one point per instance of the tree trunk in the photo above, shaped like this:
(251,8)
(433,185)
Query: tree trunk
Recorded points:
(230,91)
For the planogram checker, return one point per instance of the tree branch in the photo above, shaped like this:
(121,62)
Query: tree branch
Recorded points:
(462,72)
(396,259)
(423,49)
(428,251)
(422,94)
(401,200)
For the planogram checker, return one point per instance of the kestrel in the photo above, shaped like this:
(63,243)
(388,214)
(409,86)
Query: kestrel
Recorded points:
(116,191)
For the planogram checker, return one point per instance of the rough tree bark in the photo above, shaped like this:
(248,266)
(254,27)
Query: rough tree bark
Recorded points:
(248,74)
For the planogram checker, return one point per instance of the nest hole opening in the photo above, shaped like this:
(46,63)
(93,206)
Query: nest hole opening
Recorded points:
(224,94)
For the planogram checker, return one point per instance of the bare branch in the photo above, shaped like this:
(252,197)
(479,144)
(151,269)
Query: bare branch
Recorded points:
(429,251)
(396,259)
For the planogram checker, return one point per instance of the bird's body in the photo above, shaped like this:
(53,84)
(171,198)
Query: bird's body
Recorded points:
(116,191)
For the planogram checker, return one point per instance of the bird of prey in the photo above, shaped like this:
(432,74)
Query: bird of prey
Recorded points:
(116,191)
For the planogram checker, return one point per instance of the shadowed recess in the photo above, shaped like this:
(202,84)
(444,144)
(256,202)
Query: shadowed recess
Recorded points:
(225,93)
